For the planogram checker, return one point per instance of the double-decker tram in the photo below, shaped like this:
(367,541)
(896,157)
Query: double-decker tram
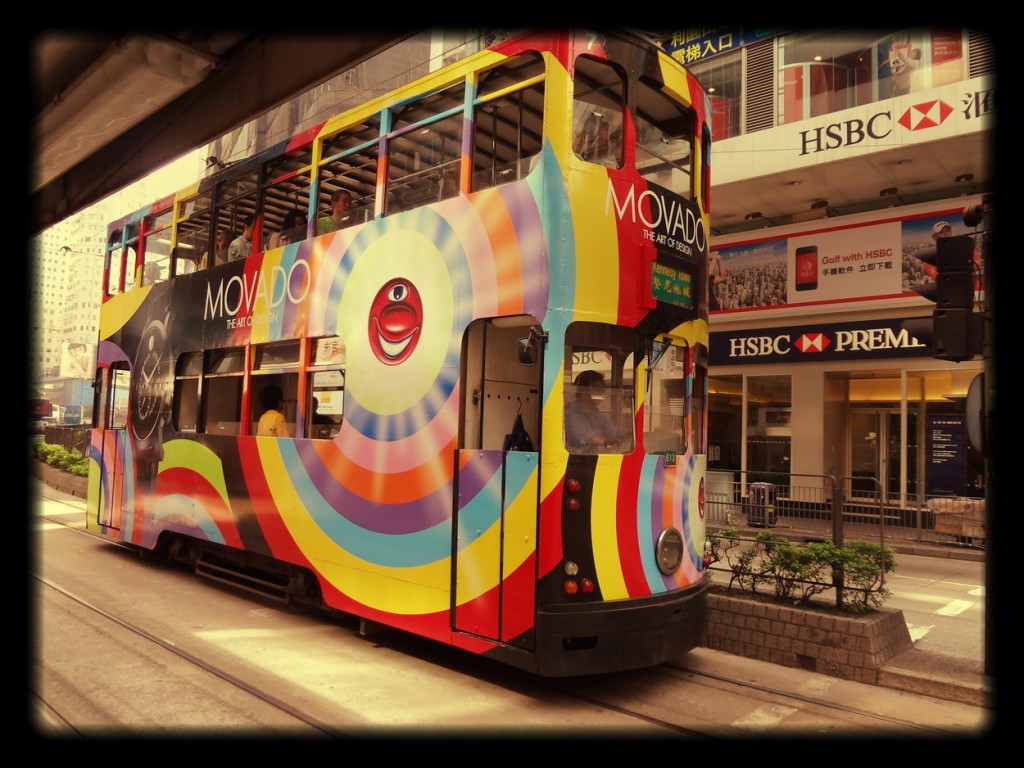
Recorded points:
(479,303)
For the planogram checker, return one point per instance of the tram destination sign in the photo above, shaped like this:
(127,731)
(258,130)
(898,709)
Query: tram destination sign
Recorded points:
(671,285)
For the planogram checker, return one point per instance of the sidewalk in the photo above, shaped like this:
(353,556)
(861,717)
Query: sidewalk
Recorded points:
(940,676)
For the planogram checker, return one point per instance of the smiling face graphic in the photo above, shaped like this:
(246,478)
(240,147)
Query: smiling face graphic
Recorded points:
(396,321)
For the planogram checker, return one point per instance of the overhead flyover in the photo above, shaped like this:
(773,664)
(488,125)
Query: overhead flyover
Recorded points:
(109,109)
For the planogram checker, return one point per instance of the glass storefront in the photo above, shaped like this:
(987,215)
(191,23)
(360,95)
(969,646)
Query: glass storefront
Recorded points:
(904,432)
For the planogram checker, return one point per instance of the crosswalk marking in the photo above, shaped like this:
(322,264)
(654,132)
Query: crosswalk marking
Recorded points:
(954,607)
(765,717)
(917,632)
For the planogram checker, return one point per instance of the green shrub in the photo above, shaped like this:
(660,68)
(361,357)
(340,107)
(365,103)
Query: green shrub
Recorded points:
(59,457)
(798,573)
(863,565)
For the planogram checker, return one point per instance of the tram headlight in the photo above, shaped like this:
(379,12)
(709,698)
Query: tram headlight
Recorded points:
(669,551)
(571,568)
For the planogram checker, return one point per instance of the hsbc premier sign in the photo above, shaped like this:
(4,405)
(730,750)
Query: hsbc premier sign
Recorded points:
(814,343)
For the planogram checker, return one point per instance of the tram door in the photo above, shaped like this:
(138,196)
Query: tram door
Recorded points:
(495,513)
(113,491)
(876,452)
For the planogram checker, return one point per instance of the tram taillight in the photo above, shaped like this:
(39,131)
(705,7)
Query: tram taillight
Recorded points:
(572,487)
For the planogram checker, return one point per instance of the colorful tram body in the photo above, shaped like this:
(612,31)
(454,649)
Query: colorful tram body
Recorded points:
(449,320)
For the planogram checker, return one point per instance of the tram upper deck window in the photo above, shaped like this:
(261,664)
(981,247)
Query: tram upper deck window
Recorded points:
(598,101)
(286,190)
(236,200)
(508,121)
(193,233)
(121,249)
(114,262)
(425,150)
(664,140)
(157,248)
(350,163)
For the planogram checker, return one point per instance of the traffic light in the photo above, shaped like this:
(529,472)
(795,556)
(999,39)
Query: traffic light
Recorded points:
(953,293)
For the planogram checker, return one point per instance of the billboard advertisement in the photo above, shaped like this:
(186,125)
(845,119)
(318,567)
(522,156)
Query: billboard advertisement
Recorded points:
(77,360)
(835,260)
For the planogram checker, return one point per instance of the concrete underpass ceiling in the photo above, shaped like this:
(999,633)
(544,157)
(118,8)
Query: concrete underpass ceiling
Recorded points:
(108,109)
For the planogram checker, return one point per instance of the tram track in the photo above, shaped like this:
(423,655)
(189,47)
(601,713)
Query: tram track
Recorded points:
(773,711)
(299,717)
(681,700)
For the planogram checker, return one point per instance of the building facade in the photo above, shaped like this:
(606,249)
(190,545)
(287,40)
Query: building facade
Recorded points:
(838,155)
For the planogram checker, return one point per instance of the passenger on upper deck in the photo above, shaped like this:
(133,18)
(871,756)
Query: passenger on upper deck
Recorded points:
(293,229)
(341,201)
(220,250)
(241,246)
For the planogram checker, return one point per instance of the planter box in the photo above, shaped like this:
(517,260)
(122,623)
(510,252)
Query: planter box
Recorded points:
(59,479)
(816,638)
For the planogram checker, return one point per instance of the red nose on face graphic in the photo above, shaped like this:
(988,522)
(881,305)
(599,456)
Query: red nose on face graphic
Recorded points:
(396,320)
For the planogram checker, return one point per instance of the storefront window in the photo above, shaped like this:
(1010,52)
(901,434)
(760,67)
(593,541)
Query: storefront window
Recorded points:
(769,427)
(722,78)
(827,71)
(932,456)
(725,422)
(952,465)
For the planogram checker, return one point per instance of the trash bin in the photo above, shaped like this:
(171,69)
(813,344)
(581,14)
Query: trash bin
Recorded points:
(761,509)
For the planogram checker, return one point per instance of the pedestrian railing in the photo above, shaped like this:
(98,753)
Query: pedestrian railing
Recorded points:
(822,507)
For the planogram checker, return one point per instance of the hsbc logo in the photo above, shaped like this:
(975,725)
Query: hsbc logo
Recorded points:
(812,342)
(845,342)
(929,114)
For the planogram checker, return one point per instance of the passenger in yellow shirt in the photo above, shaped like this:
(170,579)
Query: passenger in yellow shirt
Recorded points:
(272,422)
(341,201)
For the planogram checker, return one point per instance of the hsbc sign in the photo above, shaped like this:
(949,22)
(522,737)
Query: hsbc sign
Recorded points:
(921,116)
(804,343)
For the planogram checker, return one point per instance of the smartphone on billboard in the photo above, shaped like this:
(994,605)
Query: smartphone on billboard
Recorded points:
(807,268)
